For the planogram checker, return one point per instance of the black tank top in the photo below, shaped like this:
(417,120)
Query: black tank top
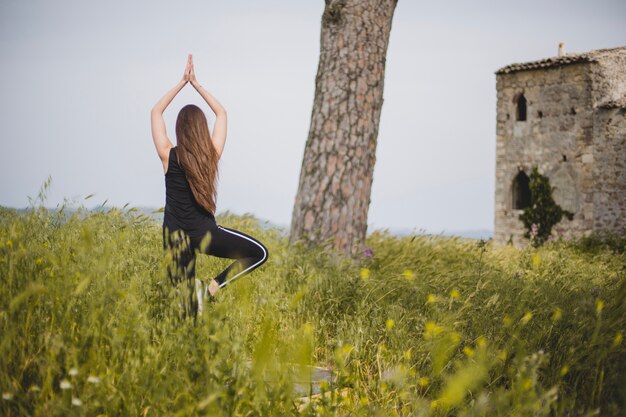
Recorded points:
(182,211)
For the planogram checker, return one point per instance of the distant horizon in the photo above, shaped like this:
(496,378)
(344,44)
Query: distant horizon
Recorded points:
(157,214)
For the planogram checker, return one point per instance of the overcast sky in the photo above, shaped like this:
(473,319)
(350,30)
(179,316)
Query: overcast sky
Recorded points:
(78,80)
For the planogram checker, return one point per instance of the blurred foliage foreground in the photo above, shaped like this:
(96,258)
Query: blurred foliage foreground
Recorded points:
(420,326)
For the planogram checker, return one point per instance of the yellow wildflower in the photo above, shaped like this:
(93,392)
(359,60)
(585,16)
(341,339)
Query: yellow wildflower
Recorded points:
(455,294)
(390,323)
(365,274)
(618,339)
(599,306)
(536,261)
(423,381)
(527,317)
(431,299)
(469,352)
(558,313)
(432,329)
(481,342)
(564,370)
(408,275)
(527,384)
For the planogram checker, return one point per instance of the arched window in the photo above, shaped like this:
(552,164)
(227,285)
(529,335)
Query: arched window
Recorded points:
(521,191)
(521,108)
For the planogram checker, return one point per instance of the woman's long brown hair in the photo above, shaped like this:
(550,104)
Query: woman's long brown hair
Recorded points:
(197,156)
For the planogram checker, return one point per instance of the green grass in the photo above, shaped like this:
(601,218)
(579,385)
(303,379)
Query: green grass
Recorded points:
(428,326)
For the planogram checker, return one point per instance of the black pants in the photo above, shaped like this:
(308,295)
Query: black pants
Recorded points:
(219,241)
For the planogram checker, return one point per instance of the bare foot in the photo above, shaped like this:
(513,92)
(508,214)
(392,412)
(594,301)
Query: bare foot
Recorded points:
(214,287)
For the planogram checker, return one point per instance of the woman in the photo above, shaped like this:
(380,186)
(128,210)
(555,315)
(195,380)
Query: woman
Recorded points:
(191,170)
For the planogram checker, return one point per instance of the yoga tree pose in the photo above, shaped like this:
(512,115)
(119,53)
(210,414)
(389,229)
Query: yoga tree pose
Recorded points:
(191,171)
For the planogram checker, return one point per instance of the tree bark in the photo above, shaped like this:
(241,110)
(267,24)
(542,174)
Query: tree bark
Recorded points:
(337,169)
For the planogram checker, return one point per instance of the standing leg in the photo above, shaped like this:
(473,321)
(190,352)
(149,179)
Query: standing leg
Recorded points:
(183,265)
(183,256)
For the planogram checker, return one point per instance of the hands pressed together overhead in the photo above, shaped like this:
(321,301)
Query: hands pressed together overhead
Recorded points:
(159,134)
(189,76)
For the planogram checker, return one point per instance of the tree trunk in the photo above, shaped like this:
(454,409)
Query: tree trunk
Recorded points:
(338,165)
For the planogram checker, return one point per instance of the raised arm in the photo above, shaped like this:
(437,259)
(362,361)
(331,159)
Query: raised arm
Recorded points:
(159,134)
(218,137)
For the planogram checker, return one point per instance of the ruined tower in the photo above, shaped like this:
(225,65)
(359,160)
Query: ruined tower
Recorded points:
(567,116)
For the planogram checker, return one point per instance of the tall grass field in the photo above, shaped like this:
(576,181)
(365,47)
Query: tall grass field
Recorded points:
(419,326)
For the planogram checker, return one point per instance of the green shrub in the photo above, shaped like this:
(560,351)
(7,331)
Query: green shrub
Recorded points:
(543,213)
(600,241)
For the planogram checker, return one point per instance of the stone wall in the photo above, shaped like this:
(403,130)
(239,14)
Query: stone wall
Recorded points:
(608,76)
(557,137)
(610,168)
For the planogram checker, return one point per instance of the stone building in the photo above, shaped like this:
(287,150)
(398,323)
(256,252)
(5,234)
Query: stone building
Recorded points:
(567,116)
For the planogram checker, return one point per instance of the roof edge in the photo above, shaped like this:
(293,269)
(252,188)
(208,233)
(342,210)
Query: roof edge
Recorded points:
(557,61)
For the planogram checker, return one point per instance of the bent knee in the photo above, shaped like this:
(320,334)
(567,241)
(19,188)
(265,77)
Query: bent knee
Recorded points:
(263,254)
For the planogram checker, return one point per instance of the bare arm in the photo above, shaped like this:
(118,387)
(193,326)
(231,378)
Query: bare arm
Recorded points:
(219,130)
(159,134)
